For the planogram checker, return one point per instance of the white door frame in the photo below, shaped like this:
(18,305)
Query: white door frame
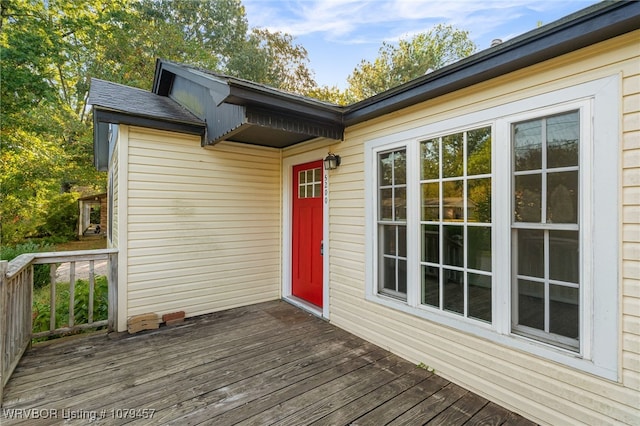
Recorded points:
(287,219)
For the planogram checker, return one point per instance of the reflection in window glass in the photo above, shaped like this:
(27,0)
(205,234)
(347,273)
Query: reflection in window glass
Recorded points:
(430,154)
(531,304)
(392,234)
(479,200)
(452,149)
(479,151)
(528,198)
(546,230)
(431,201)
(527,141)
(455,191)
(479,248)
(531,253)
(452,201)
(431,286)
(453,290)
(564,256)
(479,296)
(431,243)
(562,197)
(453,245)
(564,311)
(563,134)
(310,183)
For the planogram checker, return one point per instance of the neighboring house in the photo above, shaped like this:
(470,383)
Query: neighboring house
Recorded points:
(522,283)
(88,205)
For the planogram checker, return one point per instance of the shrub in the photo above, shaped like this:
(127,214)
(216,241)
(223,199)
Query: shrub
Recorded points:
(42,310)
(62,216)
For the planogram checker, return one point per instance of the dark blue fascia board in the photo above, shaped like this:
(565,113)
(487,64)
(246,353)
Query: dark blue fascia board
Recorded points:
(115,117)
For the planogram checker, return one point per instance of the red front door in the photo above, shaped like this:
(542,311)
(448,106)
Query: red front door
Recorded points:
(306,281)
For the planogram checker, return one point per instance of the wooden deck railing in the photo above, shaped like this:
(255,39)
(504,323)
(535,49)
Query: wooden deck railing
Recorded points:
(16,301)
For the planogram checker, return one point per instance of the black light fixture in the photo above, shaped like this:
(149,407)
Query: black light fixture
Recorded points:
(331,161)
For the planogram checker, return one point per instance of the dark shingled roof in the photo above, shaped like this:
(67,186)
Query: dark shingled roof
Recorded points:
(137,102)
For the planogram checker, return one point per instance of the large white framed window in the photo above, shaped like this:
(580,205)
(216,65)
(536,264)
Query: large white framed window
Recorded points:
(507,210)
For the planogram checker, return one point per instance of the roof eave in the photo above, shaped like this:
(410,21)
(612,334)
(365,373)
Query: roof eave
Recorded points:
(119,117)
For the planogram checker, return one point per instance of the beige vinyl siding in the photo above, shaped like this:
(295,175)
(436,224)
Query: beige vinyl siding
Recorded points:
(543,391)
(203,224)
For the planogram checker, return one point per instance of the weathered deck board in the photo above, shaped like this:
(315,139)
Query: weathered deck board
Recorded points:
(264,364)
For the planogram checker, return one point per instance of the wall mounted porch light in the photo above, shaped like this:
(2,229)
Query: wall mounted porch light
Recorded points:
(331,161)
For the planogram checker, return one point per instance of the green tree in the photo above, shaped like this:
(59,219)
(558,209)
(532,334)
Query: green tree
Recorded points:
(49,51)
(409,59)
(272,58)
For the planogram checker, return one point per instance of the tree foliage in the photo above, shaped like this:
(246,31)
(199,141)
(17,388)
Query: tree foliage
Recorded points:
(50,50)
(409,59)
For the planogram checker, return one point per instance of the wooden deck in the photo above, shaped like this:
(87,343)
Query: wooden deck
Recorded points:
(264,364)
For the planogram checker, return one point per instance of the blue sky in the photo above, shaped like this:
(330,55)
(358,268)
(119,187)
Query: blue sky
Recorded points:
(338,34)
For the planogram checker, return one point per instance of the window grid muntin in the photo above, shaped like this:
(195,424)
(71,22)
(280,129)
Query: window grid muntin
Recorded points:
(546,227)
(310,183)
(395,222)
(441,267)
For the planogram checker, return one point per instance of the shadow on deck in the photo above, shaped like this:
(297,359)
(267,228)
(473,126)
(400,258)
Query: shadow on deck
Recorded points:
(263,364)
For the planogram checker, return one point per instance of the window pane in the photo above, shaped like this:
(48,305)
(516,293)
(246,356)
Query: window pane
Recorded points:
(479,200)
(400,204)
(389,273)
(479,296)
(527,145)
(531,304)
(453,291)
(479,151)
(530,253)
(431,201)
(316,175)
(528,198)
(388,242)
(400,167)
(386,204)
(402,276)
(386,169)
(453,205)
(431,243)
(431,286)
(302,176)
(563,134)
(562,197)
(316,190)
(453,245)
(563,311)
(301,191)
(564,256)
(430,159)
(402,241)
(479,248)
(452,149)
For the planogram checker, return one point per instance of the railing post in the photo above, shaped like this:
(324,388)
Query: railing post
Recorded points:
(3,323)
(112,284)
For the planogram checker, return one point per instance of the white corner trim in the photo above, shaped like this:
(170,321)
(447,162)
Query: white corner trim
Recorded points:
(123,227)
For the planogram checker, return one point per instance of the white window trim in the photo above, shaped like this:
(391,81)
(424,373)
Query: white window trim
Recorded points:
(599,103)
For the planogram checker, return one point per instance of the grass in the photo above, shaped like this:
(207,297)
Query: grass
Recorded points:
(88,244)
